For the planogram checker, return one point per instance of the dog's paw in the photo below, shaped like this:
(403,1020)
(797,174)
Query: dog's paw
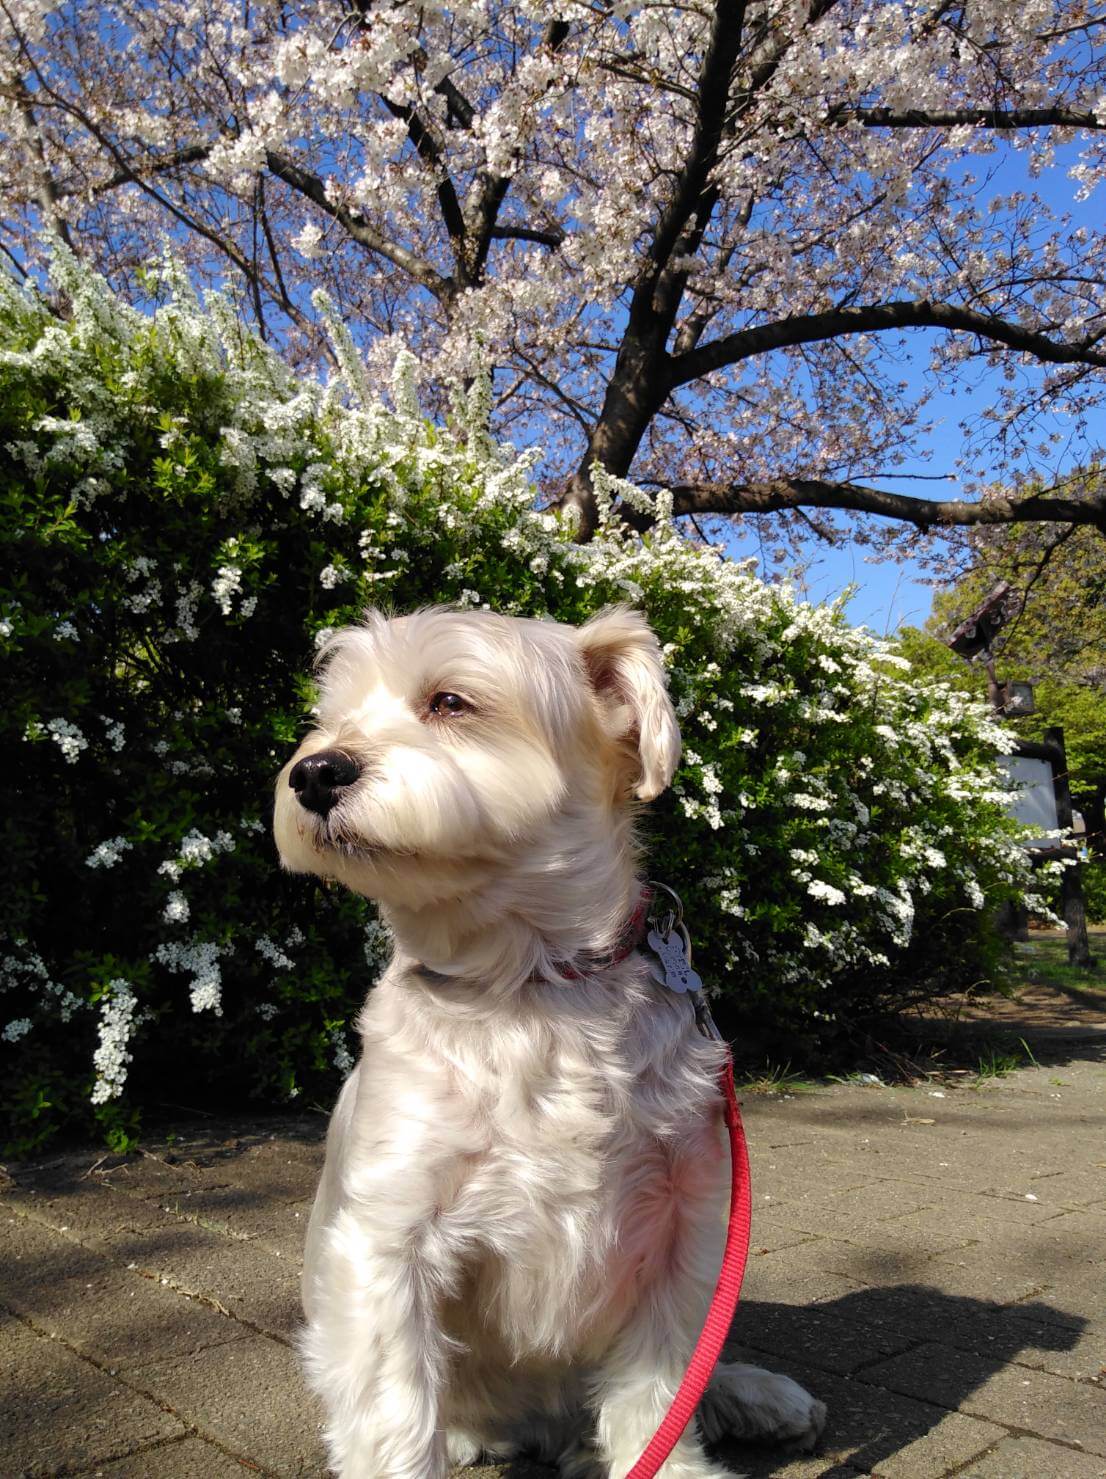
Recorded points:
(746,1402)
(461,1449)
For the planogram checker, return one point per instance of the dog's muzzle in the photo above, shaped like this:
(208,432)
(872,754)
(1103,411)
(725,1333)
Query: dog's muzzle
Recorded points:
(319,780)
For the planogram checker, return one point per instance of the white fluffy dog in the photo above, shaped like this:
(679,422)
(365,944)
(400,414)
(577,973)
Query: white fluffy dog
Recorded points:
(520,1218)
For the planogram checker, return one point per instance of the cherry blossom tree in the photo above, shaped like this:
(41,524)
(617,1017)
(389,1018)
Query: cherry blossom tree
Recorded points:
(729,247)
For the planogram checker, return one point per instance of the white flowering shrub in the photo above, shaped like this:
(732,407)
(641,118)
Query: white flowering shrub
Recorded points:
(185,521)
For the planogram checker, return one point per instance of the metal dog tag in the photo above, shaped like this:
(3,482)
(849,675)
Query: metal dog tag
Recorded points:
(672,967)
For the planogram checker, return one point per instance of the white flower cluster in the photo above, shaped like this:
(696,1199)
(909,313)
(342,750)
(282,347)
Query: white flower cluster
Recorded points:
(343,1058)
(29,971)
(378,943)
(108,853)
(112,1056)
(200,960)
(308,240)
(225,586)
(188,602)
(825,892)
(273,953)
(149,596)
(176,909)
(67,736)
(114,732)
(198,849)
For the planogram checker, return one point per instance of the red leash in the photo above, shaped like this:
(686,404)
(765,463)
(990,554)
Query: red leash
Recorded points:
(727,1290)
(726,1294)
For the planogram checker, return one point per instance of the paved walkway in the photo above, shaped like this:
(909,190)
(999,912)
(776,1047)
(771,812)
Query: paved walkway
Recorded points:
(931,1261)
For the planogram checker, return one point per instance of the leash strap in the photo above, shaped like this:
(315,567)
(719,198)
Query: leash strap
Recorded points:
(726,1293)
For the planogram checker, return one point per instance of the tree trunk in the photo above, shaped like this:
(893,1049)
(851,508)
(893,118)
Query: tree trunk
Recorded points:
(1071,884)
(633,398)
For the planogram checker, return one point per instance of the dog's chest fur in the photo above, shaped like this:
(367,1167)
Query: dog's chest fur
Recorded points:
(552,1139)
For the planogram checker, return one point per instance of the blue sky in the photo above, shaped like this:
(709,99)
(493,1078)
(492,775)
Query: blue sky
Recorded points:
(890,593)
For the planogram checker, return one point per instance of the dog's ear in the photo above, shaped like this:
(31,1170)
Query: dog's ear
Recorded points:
(623,663)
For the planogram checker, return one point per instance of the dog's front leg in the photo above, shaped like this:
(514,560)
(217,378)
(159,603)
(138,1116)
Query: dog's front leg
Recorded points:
(672,1232)
(373,1347)
(641,1372)
(638,1380)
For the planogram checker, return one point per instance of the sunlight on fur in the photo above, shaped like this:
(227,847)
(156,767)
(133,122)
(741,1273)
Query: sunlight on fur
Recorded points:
(521,1212)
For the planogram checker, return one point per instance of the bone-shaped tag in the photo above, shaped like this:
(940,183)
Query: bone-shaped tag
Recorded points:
(671,968)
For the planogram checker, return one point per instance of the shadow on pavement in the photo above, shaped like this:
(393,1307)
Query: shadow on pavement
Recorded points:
(891,1363)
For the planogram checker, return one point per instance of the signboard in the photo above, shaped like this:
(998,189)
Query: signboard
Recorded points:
(1017,698)
(1035,804)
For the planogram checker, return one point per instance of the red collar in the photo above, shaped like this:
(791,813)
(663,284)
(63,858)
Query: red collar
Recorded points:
(630,937)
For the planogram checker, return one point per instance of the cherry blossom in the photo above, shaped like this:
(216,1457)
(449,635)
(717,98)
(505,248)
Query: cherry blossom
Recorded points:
(727,248)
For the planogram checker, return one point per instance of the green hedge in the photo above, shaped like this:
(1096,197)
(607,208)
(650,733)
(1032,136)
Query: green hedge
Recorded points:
(184,521)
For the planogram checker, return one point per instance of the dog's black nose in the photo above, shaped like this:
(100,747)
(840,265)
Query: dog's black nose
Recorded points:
(318,780)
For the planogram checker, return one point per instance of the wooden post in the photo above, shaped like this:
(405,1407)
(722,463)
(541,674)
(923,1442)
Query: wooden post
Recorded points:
(1093,806)
(994,688)
(1071,883)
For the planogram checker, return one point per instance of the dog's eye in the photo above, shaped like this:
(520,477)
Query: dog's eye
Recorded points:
(445,705)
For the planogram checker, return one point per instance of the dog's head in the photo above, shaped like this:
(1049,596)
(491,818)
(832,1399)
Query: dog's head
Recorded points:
(448,741)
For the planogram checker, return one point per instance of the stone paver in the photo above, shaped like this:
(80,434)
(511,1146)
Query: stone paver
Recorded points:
(98,1308)
(931,1261)
(1015,1395)
(1029,1458)
(58,1411)
(185,1458)
(248,1396)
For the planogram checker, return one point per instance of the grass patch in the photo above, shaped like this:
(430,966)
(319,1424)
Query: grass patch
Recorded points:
(773,1079)
(1043,961)
(1000,1060)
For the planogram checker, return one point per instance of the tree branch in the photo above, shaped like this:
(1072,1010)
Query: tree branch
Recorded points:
(689,198)
(489,190)
(427,141)
(1000,118)
(876,318)
(428,146)
(128,174)
(775,494)
(362,231)
(553,237)
(639,385)
(1039,567)
(47,191)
